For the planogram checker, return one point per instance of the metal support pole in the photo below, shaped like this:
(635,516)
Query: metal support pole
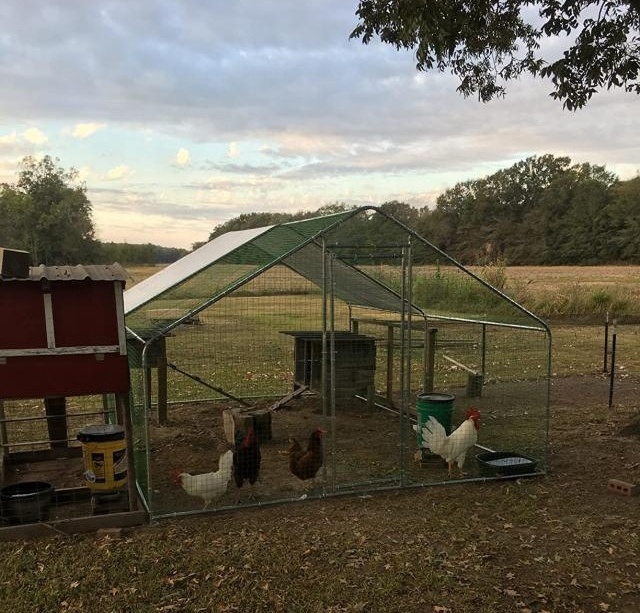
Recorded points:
(613,363)
(606,342)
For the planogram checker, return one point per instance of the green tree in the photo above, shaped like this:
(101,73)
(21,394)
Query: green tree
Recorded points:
(569,223)
(623,212)
(13,224)
(51,213)
(486,43)
(489,219)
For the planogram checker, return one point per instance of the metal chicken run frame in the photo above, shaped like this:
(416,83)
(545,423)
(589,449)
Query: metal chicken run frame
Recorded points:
(386,316)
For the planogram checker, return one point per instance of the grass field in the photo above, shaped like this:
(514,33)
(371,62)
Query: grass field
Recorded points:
(578,340)
(563,543)
(546,291)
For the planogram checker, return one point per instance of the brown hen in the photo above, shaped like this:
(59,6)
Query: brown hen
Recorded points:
(305,463)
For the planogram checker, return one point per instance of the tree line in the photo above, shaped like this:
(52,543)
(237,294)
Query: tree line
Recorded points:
(540,211)
(47,212)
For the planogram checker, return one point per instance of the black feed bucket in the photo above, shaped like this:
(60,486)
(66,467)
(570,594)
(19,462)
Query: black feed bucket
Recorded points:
(26,502)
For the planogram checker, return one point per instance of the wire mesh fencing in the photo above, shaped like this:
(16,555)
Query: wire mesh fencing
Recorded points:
(313,348)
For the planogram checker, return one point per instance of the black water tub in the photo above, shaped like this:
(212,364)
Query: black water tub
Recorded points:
(26,502)
(505,464)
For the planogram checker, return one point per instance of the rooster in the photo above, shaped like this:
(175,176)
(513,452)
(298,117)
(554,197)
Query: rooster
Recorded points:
(208,486)
(305,464)
(453,448)
(246,458)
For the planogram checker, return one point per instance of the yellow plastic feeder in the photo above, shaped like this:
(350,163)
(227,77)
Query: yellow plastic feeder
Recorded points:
(104,453)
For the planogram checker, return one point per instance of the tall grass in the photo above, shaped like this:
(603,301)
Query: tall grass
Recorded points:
(578,302)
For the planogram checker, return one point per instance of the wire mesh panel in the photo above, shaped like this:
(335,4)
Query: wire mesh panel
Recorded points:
(44,469)
(301,355)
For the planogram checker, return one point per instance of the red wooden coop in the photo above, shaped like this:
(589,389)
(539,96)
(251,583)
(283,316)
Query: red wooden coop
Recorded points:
(62,334)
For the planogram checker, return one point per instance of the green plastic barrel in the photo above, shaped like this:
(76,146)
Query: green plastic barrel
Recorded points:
(437,405)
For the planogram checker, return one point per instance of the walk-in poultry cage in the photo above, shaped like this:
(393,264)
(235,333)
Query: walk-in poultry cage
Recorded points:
(341,323)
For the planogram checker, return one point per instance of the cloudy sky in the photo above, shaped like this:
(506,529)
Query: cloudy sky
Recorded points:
(180,115)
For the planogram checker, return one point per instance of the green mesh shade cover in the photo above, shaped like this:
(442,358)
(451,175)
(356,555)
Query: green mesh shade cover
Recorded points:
(355,241)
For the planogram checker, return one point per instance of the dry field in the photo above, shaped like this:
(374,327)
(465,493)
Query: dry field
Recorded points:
(540,280)
(555,278)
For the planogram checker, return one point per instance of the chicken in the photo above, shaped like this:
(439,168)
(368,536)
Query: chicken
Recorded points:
(453,448)
(305,464)
(246,458)
(209,486)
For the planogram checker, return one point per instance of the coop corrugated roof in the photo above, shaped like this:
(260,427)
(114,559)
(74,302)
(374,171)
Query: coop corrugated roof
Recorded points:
(93,272)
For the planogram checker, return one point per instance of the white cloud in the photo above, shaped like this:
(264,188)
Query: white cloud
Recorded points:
(7,170)
(8,139)
(119,173)
(35,136)
(84,173)
(183,157)
(84,130)
(337,119)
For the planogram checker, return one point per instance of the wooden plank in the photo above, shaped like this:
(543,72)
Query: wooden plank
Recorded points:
(74,526)
(124,414)
(56,412)
(3,438)
(460,365)
(229,425)
(243,419)
(280,403)
(9,353)
(209,385)
(42,455)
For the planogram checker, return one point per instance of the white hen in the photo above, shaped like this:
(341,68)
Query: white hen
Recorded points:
(453,448)
(209,486)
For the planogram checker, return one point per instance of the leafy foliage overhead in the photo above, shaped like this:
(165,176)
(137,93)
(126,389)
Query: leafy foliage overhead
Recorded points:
(488,42)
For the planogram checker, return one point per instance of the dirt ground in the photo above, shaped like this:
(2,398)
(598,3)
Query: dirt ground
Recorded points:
(559,543)
(193,439)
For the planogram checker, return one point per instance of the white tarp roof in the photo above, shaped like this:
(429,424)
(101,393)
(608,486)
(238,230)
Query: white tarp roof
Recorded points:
(187,266)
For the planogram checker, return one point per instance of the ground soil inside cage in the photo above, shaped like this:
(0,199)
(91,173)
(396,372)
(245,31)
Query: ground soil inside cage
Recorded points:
(193,439)
(587,438)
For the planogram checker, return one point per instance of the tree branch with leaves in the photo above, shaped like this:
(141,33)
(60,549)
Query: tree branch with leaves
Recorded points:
(486,43)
